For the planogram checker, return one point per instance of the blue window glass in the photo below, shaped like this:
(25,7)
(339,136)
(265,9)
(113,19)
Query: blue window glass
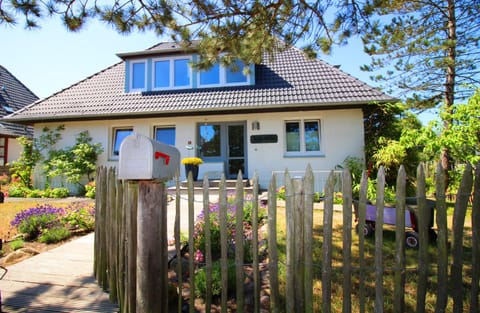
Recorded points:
(118,135)
(210,76)
(138,76)
(165,135)
(162,74)
(181,73)
(312,136)
(235,73)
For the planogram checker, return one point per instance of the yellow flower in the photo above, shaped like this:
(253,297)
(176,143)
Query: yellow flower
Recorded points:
(192,161)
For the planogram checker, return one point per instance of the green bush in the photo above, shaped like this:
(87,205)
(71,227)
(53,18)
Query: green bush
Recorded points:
(80,216)
(35,193)
(58,193)
(90,190)
(54,235)
(216,286)
(17,244)
(17,191)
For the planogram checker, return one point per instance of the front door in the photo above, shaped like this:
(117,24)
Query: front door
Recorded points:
(224,143)
(235,150)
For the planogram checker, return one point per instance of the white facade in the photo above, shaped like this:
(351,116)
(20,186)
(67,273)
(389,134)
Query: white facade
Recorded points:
(14,150)
(342,135)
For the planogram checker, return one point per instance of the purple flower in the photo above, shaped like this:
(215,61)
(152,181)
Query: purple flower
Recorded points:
(39,210)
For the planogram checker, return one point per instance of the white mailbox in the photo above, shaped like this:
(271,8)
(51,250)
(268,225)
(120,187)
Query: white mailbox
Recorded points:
(142,158)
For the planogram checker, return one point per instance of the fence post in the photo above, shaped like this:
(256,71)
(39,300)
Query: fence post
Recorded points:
(399,280)
(151,255)
(327,245)
(239,248)
(347,240)
(442,240)
(299,266)
(475,242)
(423,214)
(272,245)
(461,204)
(379,267)
(131,246)
(362,207)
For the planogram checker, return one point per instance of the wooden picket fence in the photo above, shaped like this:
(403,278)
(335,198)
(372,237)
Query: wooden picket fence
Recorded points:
(318,271)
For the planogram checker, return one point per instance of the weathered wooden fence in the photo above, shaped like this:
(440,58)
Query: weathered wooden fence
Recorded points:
(317,272)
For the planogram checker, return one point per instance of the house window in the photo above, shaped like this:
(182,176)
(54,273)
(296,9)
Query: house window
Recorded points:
(210,140)
(219,75)
(172,73)
(138,76)
(165,134)
(302,137)
(3,151)
(234,73)
(210,76)
(118,135)
(162,74)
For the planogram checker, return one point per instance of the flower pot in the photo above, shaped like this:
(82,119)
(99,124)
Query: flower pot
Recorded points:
(191,168)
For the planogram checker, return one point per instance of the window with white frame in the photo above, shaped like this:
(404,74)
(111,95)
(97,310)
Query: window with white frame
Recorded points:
(138,76)
(172,73)
(302,137)
(165,134)
(118,135)
(219,75)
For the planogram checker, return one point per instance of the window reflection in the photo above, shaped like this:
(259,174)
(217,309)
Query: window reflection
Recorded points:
(210,140)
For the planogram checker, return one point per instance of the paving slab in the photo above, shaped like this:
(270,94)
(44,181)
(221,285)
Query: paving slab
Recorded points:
(58,280)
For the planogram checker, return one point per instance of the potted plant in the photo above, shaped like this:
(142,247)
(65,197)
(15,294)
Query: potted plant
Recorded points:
(191,165)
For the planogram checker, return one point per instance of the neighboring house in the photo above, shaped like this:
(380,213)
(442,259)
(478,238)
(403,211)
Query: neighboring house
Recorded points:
(282,114)
(13,96)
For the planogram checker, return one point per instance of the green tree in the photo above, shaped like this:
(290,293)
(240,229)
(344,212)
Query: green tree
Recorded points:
(74,163)
(428,50)
(31,155)
(462,139)
(244,28)
(22,168)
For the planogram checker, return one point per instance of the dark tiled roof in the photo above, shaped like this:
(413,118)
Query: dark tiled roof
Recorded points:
(289,80)
(13,96)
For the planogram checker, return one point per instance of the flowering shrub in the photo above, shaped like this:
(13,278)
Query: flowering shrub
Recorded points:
(32,221)
(80,216)
(199,229)
(214,210)
(50,224)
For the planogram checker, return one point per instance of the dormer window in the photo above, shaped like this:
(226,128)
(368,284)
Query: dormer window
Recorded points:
(138,76)
(219,75)
(146,72)
(172,73)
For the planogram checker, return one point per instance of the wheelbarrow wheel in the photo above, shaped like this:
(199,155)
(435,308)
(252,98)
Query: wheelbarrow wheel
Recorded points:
(411,239)
(368,229)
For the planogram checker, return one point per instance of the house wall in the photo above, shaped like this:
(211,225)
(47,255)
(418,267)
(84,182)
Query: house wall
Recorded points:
(341,136)
(14,150)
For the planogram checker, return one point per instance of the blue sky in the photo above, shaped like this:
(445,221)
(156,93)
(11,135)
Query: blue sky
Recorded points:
(51,58)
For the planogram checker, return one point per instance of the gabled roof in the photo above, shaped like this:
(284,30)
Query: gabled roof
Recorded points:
(289,81)
(14,95)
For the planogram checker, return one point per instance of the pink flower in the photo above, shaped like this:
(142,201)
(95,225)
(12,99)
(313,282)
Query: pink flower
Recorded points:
(199,256)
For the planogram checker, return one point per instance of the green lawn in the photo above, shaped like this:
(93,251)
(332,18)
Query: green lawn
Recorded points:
(388,257)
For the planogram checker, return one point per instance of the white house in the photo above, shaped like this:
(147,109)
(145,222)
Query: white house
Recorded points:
(287,112)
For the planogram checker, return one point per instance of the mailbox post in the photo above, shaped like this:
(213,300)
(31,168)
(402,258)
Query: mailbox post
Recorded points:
(151,164)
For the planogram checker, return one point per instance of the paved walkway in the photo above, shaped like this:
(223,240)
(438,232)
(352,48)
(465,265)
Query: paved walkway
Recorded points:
(58,280)
(61,279)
